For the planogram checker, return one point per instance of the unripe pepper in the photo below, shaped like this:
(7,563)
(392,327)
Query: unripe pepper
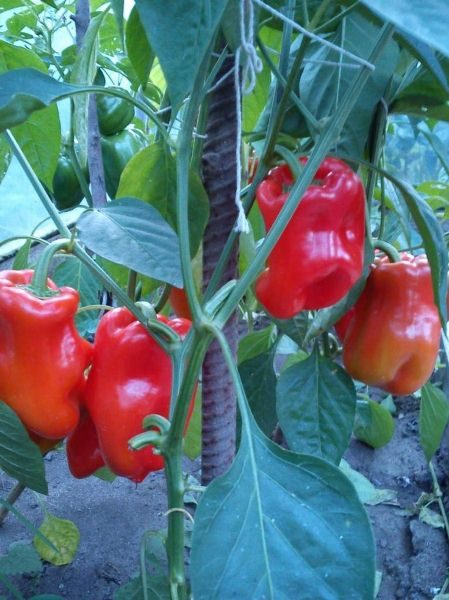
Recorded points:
(391,336)
(67,192)
(131,378)
(117,150)
(319,256)
(114,114)
(42,355)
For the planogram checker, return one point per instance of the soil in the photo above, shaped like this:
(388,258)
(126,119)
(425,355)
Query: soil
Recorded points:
(412,556)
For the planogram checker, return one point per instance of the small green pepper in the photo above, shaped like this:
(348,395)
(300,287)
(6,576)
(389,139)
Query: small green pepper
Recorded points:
(114,114)
(117,150)
(67,192)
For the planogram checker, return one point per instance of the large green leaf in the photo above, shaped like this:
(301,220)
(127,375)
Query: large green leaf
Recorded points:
(180,32)
(433,239)
(426,21)
(281,525)
(259,380)
(433,419)
(19,456)
(426,94)
(23,91)
(151,176)
(316,403)
(40,137)
(132,233)
(139,50)
(322,85)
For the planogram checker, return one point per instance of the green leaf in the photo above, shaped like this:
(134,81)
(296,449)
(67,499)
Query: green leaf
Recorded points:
(132,233)
(105,474)
(21,558)
(424,20)
(180,32)
(426,95)
(23,91)
(151,176)
(431,517)
(295,328)
(10,4)
(366,491)
(433,419)
(254,103)
(316,402)
(323,85)
(73,273)
(374,424)
(192,439)
(117,7)
(63,534)
(40,137)
(288,510)
(259,380)
(256,343)
(157,589)
(139,50)
(19,456)
(433,239)
(21,259)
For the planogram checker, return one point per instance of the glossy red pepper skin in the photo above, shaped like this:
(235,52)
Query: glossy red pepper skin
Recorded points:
(391,336)
(129,380)
(42,355)
(84,456)
(319,256)
(179,303)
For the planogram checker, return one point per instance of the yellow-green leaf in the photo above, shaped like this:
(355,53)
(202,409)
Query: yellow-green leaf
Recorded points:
(63,534)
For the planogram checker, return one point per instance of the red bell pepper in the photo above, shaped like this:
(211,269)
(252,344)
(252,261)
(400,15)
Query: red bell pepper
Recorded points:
(131,378)
(391,336)
(42,356)
(83,450)
(319,256)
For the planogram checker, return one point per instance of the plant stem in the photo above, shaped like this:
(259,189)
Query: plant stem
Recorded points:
(39,281)
(11,498)
(387,249)
(189,364)
(439,497)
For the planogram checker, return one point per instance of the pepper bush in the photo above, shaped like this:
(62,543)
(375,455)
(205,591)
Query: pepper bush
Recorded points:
(241,180)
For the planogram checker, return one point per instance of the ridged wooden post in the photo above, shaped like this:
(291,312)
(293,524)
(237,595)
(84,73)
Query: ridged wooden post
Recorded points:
(219,178)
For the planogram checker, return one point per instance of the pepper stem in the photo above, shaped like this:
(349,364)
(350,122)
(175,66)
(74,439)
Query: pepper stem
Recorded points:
(290,159)
(388,250)
(39,281)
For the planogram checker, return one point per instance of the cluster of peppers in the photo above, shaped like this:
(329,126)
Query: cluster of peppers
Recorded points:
(391,335)
(119,143)
(128,376)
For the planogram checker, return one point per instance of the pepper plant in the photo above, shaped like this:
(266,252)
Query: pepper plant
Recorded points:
(215,102)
